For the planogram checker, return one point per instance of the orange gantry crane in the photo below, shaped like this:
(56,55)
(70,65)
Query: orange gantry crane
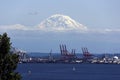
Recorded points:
(65,53)
(86,53)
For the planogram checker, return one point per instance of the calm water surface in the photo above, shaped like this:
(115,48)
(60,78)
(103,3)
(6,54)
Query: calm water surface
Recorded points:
(38,71)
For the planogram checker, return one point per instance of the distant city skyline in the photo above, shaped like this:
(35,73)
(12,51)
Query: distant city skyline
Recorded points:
(101,17)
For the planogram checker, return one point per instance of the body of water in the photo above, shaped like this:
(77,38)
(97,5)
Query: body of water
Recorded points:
(38,71)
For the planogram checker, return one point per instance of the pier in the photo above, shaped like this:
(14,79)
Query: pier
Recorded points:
(66,56)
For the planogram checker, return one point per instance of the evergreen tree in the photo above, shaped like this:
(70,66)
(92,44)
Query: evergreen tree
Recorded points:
(8,61)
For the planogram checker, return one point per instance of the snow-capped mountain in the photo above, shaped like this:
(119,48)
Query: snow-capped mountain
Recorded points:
(60,22)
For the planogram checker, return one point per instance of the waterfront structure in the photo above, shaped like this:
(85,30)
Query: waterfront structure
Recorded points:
(70,57)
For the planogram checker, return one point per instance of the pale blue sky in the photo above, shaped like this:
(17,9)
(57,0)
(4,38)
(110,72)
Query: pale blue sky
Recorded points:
(95,14)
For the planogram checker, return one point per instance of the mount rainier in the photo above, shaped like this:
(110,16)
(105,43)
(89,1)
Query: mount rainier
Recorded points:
(60,22)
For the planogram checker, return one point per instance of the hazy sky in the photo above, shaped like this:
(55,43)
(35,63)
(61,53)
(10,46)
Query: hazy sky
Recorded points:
(100,16)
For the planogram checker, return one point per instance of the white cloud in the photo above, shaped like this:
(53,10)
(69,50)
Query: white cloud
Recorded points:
(19,27)
(12,27)
(5,28)
(103,31)
(112,30)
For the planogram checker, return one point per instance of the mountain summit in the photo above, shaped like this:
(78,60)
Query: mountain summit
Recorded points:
(60,22)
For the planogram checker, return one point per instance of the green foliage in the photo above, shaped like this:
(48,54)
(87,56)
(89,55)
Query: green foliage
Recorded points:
(8,61)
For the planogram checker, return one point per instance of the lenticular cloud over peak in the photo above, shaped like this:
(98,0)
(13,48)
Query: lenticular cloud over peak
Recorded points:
(60,22)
